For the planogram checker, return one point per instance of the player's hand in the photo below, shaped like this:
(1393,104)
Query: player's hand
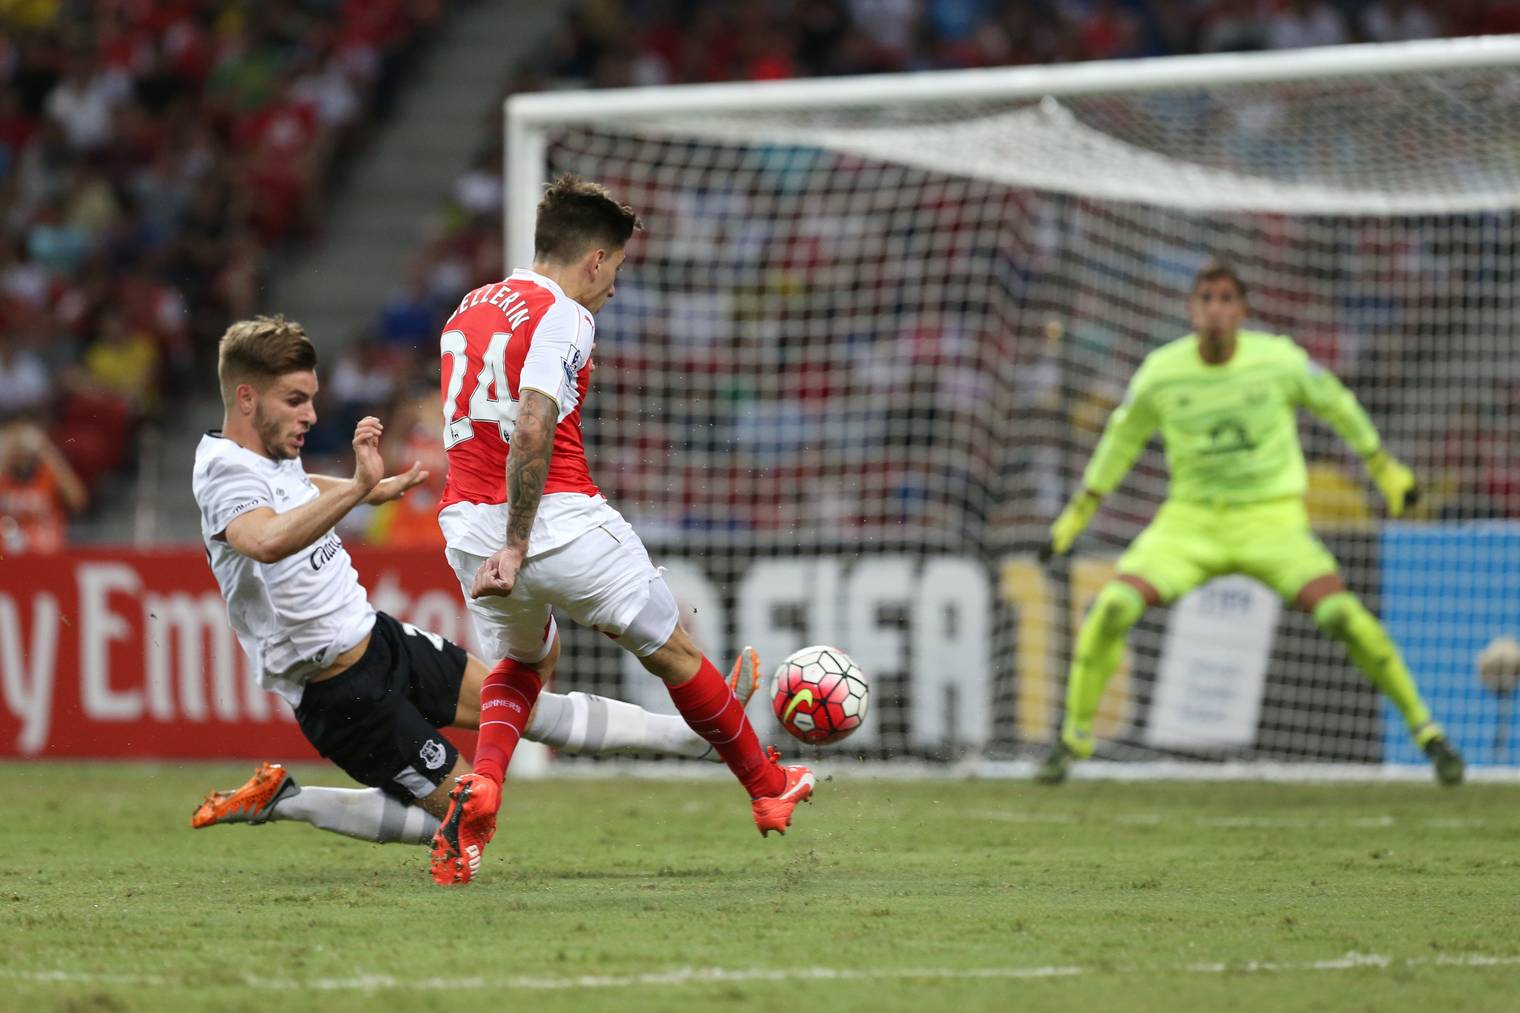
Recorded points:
(497,575)
(1073,520)
(369,466)
(397,486)
(1394,480)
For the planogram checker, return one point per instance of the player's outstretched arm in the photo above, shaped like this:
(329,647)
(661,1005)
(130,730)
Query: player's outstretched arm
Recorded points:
(1323,394)
(385,490)
(1124,435)
(528,456)
(268,537)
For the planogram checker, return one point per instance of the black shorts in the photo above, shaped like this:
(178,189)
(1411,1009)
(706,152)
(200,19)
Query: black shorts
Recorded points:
(379,719)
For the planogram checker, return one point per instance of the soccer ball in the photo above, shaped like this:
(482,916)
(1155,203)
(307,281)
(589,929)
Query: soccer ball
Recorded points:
(819,695)
(1499,665)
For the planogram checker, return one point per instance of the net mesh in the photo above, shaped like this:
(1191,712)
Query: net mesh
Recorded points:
(860,356)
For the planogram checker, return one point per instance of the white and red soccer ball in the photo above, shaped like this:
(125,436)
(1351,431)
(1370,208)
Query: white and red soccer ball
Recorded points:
(819,695)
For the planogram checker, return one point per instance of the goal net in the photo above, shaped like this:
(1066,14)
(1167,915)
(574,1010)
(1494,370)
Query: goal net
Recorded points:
(866,345)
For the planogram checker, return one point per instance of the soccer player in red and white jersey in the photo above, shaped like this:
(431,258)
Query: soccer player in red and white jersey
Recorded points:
(527,528)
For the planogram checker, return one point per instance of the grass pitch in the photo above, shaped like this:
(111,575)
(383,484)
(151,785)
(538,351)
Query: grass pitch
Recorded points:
(635,894)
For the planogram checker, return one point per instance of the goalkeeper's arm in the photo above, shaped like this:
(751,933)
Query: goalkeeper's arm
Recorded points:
(1324,395)
(1125,434)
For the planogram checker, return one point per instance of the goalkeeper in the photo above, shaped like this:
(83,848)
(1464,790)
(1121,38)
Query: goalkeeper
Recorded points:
(1224,400)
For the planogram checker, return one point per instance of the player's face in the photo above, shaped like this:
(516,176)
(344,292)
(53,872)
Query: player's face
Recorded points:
(604,280)
(283,412)
(1216,308)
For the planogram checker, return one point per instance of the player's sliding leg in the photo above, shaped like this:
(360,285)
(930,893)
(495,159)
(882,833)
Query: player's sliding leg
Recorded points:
(581,723)
(1343,616)
(272,795)
(575,723)
(1099,647)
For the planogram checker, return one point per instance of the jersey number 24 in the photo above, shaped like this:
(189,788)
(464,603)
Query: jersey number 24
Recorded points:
(502,410)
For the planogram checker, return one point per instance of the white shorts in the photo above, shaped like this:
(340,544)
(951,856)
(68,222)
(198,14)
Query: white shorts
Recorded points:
(603,579)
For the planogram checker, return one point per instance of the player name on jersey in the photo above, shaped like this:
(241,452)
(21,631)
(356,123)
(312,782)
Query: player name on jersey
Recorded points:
(503,298)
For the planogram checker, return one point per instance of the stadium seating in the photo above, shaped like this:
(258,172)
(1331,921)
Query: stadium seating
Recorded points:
(157,156)
(154,159)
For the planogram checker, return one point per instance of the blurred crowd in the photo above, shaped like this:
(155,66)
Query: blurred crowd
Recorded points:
(646,42)
(154,156)
(690,434)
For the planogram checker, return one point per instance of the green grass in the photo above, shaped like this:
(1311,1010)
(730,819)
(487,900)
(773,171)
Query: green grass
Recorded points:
(1129,886)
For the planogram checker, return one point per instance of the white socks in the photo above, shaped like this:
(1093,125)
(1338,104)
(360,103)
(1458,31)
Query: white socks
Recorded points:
(582,723)
(577,723)
(366,813)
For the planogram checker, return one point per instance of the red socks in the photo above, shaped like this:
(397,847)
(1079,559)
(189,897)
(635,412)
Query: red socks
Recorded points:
(713,712)
(506,699)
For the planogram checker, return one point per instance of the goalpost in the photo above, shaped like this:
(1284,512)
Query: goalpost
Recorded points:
(858,359)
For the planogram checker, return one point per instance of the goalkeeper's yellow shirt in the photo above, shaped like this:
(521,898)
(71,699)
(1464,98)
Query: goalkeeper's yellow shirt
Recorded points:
(1230,430)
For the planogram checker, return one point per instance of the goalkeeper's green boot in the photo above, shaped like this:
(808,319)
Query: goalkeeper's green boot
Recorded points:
(1446,760)
(1056,765)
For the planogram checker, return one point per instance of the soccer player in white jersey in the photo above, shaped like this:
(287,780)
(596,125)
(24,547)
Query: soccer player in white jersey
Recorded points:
(527,528)
(370,693)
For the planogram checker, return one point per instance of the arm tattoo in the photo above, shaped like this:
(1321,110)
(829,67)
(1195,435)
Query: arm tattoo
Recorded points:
(528,463)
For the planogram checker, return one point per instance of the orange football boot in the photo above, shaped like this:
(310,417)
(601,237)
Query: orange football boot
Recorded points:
(744,677)
(254,802)
(774,812)
(465,831)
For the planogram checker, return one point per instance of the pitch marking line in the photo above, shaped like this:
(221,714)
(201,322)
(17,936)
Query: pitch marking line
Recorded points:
(721,975)
(1224,822)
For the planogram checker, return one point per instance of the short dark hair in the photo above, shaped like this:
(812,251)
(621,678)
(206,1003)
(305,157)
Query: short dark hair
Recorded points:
(577,215)
(260,350)
(1218,270)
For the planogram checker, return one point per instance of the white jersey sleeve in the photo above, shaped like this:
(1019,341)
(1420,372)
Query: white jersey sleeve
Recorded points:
(293,616)
(226,489)
(561,345)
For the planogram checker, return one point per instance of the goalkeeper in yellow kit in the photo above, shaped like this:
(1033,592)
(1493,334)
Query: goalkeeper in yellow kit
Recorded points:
(1225,400)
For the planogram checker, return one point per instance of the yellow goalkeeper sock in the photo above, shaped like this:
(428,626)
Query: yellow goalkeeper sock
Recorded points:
(1100,644)
(1343,616)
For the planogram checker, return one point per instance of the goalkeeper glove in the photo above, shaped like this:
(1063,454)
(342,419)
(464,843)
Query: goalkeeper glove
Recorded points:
(1394,481)
(1072,520)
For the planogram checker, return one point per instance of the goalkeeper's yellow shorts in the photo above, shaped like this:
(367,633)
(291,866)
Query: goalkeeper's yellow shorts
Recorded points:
(1187,544)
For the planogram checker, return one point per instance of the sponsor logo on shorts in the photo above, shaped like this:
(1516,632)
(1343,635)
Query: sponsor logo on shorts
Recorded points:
(433,754)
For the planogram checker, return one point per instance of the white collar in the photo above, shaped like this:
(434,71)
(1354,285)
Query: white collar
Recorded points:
(526,274)
(219,442)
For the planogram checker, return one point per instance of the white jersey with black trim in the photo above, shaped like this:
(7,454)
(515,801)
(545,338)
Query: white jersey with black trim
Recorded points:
(295,616)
